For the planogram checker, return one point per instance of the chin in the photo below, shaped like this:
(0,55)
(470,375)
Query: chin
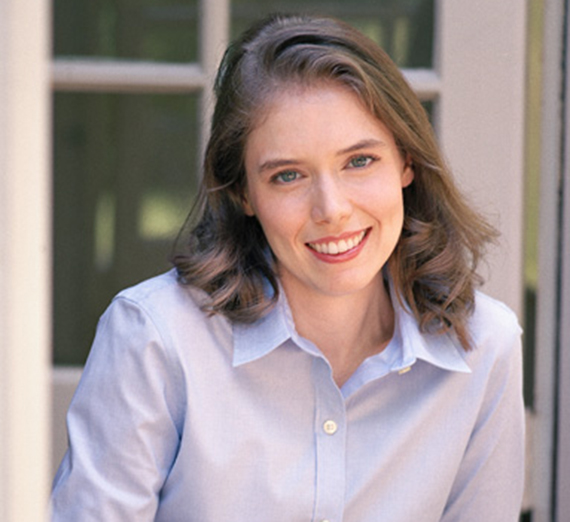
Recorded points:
(344,287)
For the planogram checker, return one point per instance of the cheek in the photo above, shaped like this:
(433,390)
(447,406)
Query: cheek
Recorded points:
(277,226)
(281,221)
(385,201)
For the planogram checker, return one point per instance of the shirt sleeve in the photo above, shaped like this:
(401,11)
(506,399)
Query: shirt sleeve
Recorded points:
(490,481)
(124,424)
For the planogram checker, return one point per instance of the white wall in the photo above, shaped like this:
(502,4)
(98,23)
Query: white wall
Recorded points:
(481,59)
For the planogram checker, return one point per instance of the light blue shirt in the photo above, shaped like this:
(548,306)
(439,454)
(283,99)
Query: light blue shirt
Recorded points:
(183,418)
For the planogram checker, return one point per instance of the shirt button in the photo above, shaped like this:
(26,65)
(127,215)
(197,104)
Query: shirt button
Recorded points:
(330,428)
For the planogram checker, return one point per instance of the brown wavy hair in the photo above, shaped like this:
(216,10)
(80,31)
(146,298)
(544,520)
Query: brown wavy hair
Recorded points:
(433,267)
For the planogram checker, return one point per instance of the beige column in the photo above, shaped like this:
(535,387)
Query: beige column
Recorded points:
(480,58)
(24,260)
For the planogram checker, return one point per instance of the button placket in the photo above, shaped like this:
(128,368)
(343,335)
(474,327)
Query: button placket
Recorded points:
(330,440)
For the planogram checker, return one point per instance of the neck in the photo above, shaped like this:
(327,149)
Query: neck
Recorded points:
(348,328)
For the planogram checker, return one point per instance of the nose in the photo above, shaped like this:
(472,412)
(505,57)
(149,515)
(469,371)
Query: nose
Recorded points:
(331,202)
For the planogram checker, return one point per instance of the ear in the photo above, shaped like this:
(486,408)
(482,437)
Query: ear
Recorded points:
(408,173)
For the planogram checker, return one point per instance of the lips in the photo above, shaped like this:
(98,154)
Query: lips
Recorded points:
(340,246)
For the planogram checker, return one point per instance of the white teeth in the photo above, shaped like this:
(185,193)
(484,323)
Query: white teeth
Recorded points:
(340,247)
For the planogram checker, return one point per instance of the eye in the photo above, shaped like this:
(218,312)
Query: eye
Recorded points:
(287,176)
(360,161)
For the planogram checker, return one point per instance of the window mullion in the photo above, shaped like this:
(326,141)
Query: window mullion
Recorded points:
(120,76)
(214,36)
(425,82)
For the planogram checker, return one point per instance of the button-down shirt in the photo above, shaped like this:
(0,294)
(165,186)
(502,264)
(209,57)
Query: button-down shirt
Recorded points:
(181,417)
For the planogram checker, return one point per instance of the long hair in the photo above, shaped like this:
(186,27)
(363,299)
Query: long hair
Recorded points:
(434,264)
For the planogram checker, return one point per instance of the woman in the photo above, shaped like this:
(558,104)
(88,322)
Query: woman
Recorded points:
(320,352)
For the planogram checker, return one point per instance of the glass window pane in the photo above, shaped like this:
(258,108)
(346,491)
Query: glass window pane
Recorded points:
(125,178)
(403,28)
(159,30)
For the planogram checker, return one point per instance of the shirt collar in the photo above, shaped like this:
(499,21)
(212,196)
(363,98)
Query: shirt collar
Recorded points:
(253,341)
(441,350)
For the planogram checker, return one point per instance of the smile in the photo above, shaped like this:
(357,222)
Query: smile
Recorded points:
(338,247)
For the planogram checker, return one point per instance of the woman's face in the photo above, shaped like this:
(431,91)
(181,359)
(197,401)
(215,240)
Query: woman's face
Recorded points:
(325,179)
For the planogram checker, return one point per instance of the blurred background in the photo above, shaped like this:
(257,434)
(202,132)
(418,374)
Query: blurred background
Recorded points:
(126,87)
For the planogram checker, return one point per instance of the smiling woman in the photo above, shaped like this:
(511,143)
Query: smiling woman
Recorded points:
(328,284)
(342,185)
(341,197)
(434,263)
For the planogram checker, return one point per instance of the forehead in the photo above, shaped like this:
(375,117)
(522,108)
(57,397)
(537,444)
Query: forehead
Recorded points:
(284,95)
(307,121)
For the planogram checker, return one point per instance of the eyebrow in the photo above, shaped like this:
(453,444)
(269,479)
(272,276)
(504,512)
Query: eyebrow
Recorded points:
(276,164)
(280,163)
(363,144)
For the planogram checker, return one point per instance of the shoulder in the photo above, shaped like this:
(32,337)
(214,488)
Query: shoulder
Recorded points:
(495,331)
(163,296)
(164,289)
(162,316)
(493,318)
(171,307)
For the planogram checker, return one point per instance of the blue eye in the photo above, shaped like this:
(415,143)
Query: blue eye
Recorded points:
(286,176)
(360,161)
